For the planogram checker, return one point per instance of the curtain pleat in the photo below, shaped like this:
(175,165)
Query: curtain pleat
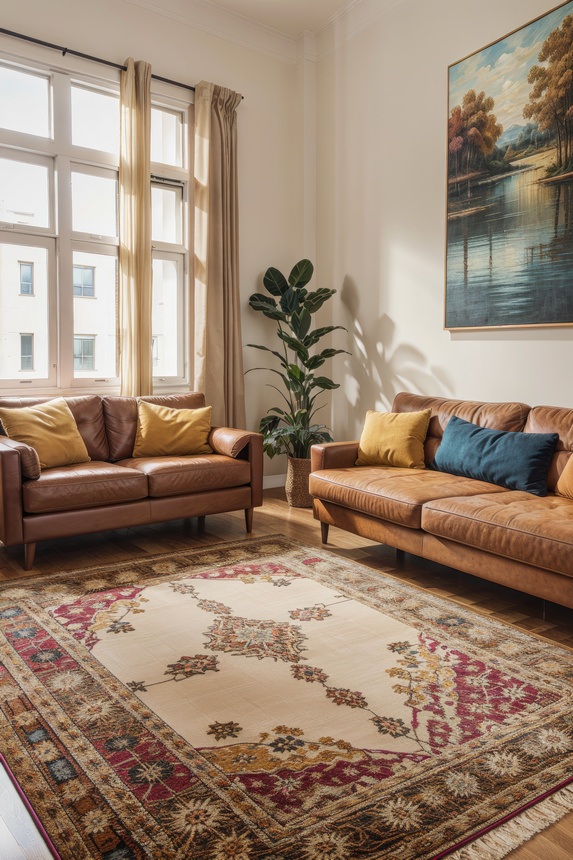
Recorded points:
(136,373)
(218,347)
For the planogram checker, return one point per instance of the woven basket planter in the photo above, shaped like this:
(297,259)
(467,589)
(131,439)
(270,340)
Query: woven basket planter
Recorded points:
(296,484)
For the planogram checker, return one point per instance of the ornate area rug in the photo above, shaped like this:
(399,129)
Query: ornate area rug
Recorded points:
(263,699)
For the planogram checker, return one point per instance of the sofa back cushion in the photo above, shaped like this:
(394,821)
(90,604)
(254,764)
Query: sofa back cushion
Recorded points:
(553,419)
(518,461)
(88,413)
(121,418)
(496,416)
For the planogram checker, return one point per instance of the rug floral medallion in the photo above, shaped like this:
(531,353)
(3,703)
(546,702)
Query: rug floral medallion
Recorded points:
(263,699)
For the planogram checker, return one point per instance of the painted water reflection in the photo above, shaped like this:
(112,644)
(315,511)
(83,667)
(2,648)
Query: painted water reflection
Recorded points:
(510,253)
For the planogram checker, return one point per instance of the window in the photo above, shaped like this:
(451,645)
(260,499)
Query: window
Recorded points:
(26,352)
(84,352)
(84,280)
(26,279)
(59,164)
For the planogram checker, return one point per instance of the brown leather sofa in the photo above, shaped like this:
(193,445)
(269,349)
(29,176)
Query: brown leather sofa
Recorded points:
(512,537)
(113,490)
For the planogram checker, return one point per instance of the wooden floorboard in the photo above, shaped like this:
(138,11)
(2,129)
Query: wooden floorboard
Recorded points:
(526,613)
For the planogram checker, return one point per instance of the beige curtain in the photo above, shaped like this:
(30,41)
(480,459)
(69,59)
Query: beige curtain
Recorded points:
(136,375)
(218,351)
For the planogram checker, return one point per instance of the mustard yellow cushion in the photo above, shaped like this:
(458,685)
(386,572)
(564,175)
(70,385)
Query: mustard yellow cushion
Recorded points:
(564,486)
(394,439)
(163,431)
(49,428)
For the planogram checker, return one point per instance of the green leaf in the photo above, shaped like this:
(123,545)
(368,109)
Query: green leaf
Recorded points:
(316,335)
(314,301)
(275,282)
(296,345)
(300,322)
(301,274)
(290,302)
(265,349)
(325,383)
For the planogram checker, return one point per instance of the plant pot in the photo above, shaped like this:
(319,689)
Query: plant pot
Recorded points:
(296,484)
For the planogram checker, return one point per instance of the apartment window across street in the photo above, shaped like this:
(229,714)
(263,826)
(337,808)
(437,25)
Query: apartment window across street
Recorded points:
(26,279)
(59,187)
(84,352)
(84,280)
(26,352)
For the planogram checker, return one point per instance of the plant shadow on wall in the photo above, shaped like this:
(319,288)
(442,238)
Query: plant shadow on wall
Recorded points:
(290,428)
(380,367)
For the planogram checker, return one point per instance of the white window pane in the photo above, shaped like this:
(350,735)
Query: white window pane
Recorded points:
(166,137)
(166,205)
(24,102)
(95,355)
(23,314)
(24,193)
(94,204)
(165,315)
(95,120)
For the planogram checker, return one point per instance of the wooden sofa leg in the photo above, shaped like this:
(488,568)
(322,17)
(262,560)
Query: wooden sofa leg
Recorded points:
(324,532)
(249,519)
(29,553)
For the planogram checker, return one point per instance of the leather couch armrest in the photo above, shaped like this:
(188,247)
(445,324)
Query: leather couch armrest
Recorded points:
(29,460)
(333,455)
(246,445)
(228,441)
(11,513)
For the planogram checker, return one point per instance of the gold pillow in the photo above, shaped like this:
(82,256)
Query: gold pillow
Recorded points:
(564,486)
(394,439)
(49,428)
(163,431)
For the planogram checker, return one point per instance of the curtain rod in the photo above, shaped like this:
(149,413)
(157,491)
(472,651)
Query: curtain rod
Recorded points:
(65,51)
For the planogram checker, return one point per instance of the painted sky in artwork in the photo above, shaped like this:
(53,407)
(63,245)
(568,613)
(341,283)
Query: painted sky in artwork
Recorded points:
(501,70)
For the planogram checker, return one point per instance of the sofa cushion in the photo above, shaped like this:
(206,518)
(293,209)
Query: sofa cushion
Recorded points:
(564,485)
(391,494)
(174,476)
(164,431)
(49,428)
(518,461)
(121,418)
(88,413)
(394,439)
(512,524)
(85,485)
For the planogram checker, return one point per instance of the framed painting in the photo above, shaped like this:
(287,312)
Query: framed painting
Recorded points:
(509,236)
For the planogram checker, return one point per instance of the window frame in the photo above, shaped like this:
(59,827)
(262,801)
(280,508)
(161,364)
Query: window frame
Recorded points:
(62,158)
(31,354)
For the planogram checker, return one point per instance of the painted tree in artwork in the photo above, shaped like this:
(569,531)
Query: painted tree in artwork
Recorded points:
(551,99)
(473,131)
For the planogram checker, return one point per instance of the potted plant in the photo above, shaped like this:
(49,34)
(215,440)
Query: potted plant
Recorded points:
(290,429)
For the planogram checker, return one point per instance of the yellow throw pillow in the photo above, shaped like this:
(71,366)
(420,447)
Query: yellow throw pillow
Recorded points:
(394,439)
(564,486)
(49,428)
(163,431)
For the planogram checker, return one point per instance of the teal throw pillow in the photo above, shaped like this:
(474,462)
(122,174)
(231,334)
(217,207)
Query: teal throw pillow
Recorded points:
(518,461)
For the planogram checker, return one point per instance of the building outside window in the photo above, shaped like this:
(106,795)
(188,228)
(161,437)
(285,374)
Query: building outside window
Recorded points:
(84,352)
(26,352)
(26,279)
(84,280)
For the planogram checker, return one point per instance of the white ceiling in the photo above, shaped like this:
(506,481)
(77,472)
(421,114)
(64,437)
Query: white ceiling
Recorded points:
(290,17)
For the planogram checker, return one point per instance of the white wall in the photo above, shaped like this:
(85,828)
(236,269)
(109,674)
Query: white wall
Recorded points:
(382,113)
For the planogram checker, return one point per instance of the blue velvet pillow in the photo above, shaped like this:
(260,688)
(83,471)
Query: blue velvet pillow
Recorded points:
(518,461)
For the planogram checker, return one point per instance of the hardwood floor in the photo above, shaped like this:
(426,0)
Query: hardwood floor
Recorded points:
(555,624)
